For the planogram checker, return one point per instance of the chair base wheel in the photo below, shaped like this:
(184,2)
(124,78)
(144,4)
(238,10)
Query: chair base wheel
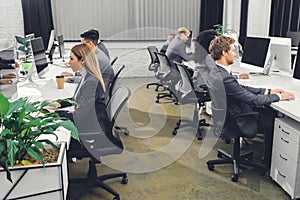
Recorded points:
(211,167)
(220,155)
(234,177)
(156,101)
(200,137)
(124,180)
(174,132)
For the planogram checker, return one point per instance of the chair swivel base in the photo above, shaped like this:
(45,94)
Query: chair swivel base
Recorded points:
(237,160)
(188,123)
(92,180)
(157,85)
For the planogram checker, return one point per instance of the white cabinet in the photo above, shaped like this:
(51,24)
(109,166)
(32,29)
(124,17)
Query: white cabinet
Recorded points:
(285,168)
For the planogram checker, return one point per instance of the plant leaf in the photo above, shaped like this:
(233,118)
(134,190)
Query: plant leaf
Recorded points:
(35,154)
(12,149)
(50,143)
(67,124)
(4,105)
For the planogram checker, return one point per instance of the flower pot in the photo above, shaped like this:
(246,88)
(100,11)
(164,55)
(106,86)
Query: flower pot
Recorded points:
(27,66)
(36,181)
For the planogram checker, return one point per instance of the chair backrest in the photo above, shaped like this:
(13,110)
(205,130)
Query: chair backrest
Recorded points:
(112,85)
(117,101)
(185,84)
(154,61)
(164,63)
(114,60)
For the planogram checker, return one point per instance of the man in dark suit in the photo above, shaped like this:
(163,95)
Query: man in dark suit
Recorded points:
(241,99)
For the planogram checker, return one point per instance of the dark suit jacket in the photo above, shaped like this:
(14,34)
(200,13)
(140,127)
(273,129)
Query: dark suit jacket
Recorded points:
(242,99)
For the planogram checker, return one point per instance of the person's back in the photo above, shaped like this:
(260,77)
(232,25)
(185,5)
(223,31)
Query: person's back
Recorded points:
(176,50)
(105,67)
(103,48)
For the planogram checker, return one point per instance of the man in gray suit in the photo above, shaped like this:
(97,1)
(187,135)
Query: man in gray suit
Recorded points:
(91,38)
(241,99)
(176,49)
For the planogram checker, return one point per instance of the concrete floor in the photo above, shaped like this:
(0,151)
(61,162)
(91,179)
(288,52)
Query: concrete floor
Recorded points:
(169,167)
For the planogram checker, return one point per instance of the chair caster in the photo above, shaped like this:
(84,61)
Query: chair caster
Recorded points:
(156,101)
(227,141)
(220,155)
(116,198)
(124,180)
(174,132)
(210,166)
(200,137)
(234,177)
(126,132)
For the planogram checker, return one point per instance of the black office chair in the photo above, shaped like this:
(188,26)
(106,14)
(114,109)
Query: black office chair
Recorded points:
(113,107)
(153,66)
(168,76)
(186,94)
(114,60)
(221,119)
(110,93)
(96,145)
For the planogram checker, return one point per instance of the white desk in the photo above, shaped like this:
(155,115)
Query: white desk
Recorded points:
(286,143)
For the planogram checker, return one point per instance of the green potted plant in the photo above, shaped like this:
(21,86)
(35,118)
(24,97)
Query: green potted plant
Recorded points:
(21,124)
(25,48)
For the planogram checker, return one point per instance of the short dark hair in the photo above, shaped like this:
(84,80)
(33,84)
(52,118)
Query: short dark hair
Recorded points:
(91,35)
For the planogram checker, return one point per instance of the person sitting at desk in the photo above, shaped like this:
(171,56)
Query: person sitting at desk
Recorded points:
(7,78)
(90,109)
(90,38)
(176,50)
(241,99)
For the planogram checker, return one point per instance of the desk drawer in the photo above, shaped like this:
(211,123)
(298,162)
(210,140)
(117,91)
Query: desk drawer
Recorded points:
(282,160)
(286,145)
(288,127)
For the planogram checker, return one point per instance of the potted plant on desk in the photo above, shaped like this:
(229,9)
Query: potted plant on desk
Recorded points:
(21,125)
(25,48)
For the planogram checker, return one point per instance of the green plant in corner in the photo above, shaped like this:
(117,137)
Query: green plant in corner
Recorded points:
(220,29)
(21,123)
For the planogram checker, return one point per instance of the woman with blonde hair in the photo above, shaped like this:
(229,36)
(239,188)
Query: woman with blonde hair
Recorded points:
(89,113)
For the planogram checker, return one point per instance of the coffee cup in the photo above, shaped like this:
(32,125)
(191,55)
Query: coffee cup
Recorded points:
(60,80)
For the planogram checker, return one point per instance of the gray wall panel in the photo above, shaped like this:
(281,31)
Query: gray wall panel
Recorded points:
(125,19)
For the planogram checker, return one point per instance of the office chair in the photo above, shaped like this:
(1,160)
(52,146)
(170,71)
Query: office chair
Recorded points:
(153,65)
(186,94)
(113,107)
(221,119)
(110,93)
(100,144)
(113,61)
(168,76)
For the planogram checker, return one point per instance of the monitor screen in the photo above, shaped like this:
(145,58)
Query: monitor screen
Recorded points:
(39,55)
(189,41)
(61,46)
(295,36)
(51,41)
(7,55)
(255,51)
(297,64)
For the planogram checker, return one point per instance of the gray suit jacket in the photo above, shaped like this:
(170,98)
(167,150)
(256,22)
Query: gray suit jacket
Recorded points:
(242,99)
(176,51)
(105,67)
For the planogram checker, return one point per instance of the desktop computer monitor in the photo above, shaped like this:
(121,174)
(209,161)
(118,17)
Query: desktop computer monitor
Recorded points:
(296,74)
(51,46)
(39,55)
(7,56)
(189,41)
(295,36)
(255,52)
(281,57)
(61,46)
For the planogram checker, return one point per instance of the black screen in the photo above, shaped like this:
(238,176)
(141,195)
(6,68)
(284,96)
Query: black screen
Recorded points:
(297,65)
(295,37)
(255,51)
(39,54)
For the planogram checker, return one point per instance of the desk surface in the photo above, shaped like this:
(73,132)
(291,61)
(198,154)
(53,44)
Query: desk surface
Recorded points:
(46,89)
(275,80)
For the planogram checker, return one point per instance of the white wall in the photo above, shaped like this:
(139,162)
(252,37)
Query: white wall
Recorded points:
(11,19)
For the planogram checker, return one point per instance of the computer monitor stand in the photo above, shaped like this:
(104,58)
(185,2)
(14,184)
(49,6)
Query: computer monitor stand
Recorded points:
(267,67)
